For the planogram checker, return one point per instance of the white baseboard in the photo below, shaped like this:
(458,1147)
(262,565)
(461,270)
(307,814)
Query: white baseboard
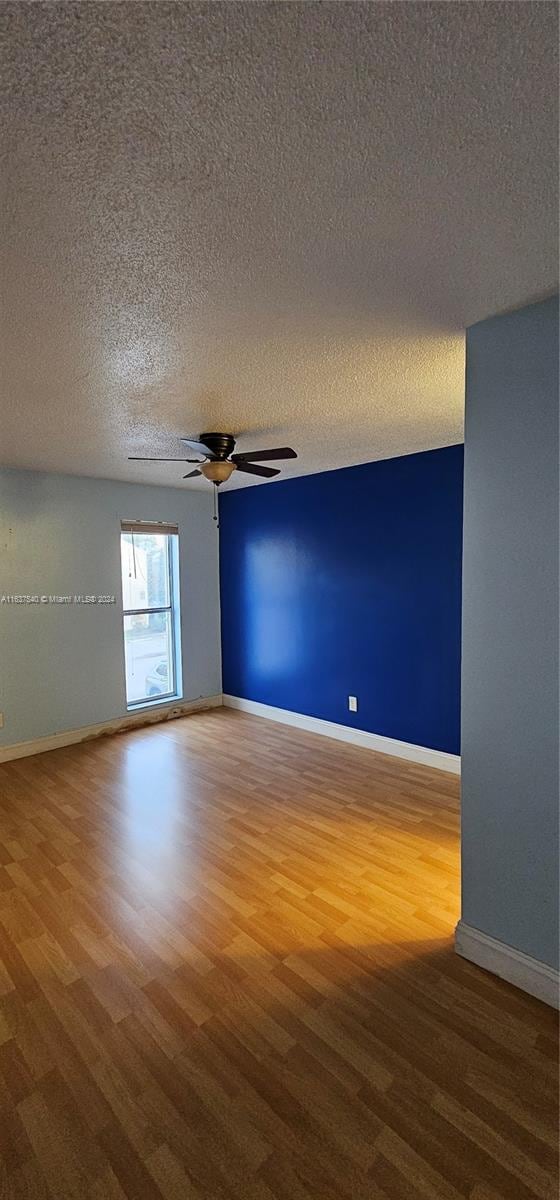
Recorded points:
(356,737)
(532,976)
(145,716)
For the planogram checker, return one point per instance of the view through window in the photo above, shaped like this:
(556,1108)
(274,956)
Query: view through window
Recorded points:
(150,612)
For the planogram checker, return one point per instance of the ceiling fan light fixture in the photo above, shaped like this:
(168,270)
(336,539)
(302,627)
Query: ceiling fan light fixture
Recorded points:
(217,472)
(217,461)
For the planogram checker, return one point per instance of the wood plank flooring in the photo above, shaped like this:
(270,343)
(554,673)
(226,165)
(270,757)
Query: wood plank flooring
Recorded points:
(226,973)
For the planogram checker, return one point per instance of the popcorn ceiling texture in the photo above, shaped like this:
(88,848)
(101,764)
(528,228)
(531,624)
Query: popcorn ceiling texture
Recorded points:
(275,219)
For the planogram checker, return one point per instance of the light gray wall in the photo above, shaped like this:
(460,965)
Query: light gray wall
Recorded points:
(510,631)
(62,667)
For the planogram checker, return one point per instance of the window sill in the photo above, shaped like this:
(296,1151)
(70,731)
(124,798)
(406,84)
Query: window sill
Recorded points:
(156,702)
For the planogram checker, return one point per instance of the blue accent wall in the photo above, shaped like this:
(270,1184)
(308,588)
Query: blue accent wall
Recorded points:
(349,583)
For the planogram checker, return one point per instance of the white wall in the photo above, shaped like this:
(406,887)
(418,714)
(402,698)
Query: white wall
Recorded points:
(62,667)
(509,742)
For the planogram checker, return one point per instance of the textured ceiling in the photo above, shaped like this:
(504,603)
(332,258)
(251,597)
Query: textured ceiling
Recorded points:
(275,219)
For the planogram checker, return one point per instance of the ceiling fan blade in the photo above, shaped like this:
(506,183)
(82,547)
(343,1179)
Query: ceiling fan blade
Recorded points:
(192,474)
(263,455)
(253,469)
(133,458)
(199,447)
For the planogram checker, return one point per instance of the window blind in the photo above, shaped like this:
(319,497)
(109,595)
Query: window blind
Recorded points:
(148,527)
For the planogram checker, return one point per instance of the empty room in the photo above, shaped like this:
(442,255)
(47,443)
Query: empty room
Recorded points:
(279,600)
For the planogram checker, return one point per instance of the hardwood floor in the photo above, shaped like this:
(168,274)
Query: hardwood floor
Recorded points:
(227,972)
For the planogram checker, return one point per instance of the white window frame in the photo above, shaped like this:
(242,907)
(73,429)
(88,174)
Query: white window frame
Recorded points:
(173,608)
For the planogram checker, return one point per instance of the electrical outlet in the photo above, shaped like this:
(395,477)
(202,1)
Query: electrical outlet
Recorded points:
(1,720)
(353,703)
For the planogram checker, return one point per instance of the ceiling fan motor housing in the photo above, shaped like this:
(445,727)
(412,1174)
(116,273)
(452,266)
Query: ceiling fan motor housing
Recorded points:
(220,444)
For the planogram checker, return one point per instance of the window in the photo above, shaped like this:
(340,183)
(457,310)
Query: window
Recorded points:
(149,561)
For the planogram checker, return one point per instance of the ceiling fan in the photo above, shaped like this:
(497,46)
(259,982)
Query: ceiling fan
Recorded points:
(218,460)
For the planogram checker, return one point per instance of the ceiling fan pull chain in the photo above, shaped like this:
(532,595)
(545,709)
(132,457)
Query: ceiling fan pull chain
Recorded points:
(215,517)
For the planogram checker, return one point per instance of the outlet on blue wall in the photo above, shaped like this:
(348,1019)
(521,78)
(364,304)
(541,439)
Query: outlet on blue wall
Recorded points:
(349,583)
